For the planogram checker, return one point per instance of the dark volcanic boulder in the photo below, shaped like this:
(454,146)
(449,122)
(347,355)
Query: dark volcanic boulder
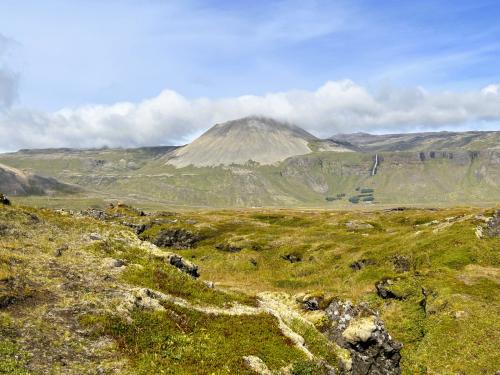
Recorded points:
(94,213)
(184,265)
(177,261)
(4,200)
(176,238)
(311,301)
(360,264)
(292,257)
(138,228)
(359,329)
(385,290)
(230,248)
(493,228)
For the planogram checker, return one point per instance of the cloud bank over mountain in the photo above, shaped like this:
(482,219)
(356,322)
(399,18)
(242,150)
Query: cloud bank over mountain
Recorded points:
(170,118)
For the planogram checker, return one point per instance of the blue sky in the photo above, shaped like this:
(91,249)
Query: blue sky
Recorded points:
(60,54)
(70,53)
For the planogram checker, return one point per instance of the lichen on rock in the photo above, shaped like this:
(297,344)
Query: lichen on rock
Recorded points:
(359,329)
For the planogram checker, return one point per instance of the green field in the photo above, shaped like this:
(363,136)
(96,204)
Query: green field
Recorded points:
(140,176)
(59,286)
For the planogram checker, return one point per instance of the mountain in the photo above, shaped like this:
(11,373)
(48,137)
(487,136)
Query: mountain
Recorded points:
(294,169)
(432,141)
(15,182)
(257,139)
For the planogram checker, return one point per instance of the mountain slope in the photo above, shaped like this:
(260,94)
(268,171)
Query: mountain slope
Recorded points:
(306,180)
(432,141)
(437,168)
(15,182)
(259,139)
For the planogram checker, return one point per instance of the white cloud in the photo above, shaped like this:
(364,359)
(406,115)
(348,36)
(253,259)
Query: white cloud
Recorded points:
(170,118)
(491,89)
(8,79)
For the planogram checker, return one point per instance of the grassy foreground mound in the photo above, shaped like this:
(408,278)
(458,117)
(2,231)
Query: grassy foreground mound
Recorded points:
(439,270)
(88,292)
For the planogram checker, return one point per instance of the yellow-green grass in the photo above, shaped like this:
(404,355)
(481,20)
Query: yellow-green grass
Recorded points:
(447,316)
(182,341)
(305,180)
(447,262)
(72,290)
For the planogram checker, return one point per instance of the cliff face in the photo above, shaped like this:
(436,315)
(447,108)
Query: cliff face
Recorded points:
(472,140)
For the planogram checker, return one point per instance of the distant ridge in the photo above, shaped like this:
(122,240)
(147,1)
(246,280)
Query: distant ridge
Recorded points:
(259,139)
(428,141)
(423,168)
(151,149)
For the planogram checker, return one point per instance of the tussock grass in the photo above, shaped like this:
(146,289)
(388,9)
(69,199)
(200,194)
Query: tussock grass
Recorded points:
(447,315)
(458,271)
(182,341)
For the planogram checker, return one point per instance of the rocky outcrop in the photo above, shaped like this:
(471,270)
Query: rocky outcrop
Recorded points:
(493,226)
(173,259)
(183,264)
(228,247)
(94,237)
(385,290)
(4,200)
(490,226)
(292,257)
(94,213)
(359,329)
(311,301)
(257,365)
(177,238)
(143,299)
(137,228)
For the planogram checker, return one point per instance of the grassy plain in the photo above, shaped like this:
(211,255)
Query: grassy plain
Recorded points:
(141,176)
(62,313)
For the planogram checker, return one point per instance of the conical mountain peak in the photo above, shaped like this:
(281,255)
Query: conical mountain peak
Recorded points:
(260,139)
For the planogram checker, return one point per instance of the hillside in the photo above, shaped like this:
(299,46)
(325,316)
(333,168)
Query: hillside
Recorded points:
(433,169)
(307,180)
(15,182)
(256,139)
(119,291)
(437,141)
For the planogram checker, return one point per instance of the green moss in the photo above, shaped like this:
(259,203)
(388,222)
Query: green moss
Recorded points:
(455,333)
(12,359)
(316,342)
(307,368)
(283,220)
(289,284)
(181,341)
(159,276)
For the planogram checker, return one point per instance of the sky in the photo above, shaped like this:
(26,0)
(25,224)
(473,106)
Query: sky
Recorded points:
(89,73)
